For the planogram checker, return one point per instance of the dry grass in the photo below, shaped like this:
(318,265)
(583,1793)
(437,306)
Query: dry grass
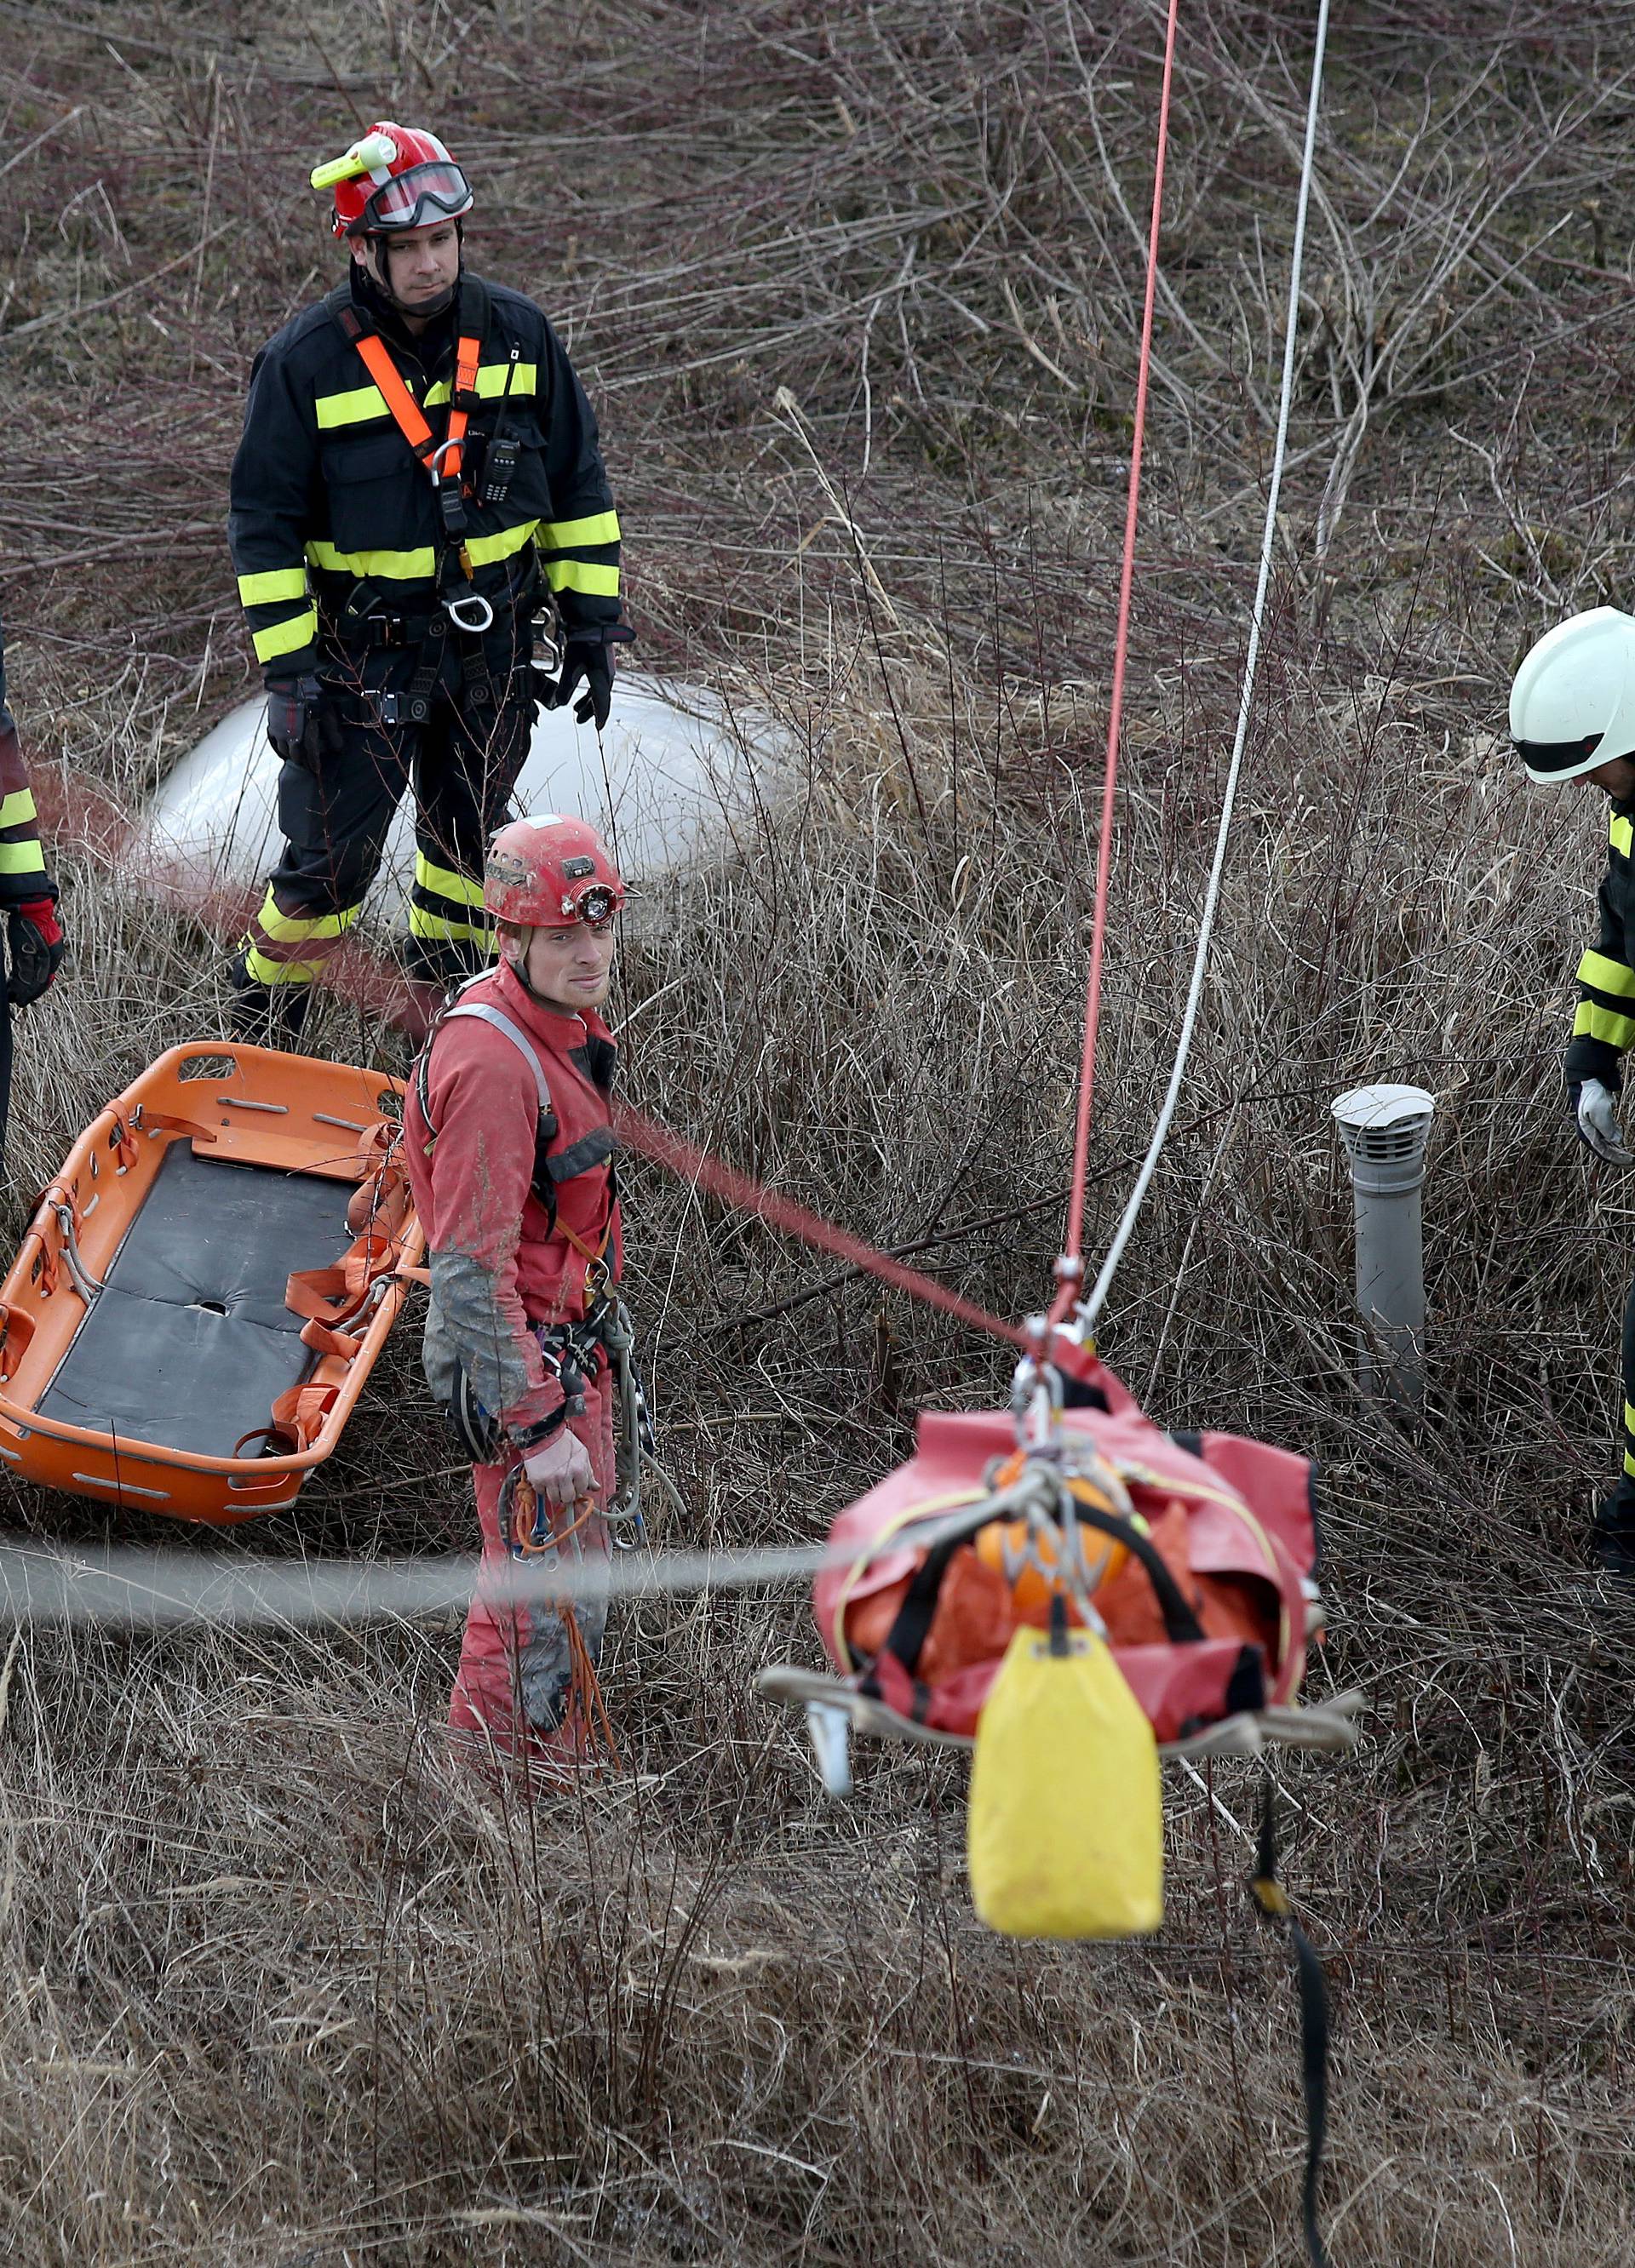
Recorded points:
(277,1990)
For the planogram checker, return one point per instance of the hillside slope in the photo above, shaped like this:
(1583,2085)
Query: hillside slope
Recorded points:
(857,291)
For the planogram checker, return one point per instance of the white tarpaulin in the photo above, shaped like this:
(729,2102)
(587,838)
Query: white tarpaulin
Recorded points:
(673,771)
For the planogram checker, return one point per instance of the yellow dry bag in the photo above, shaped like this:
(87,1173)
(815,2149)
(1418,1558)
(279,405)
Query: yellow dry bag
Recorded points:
(1064,1834)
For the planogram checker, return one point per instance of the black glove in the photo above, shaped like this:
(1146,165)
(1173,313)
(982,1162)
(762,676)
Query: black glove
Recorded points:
(301,722)
(37,950)
(587,659)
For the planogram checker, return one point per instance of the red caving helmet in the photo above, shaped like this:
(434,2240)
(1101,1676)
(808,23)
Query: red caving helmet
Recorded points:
(551,872)
(396,177)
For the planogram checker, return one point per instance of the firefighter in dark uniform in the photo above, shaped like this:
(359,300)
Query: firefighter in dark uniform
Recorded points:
(419,468)
(28,893)
(1573,717)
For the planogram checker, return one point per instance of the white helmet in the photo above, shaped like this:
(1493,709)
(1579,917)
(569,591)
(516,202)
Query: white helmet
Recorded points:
(1572,704)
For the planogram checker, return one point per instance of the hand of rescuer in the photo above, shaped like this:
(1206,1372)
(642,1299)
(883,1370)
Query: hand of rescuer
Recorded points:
(37,944)
(560,1470)
(588,659)
(1596,1108)
(301,722)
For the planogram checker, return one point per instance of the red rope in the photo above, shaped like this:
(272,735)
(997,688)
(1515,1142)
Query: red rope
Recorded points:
(689,1163)
(1071,1267)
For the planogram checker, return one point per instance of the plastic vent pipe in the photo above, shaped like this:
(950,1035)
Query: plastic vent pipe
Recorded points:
(1385,1130)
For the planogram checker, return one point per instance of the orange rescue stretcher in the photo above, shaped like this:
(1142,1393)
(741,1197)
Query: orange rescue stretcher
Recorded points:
(207,1283)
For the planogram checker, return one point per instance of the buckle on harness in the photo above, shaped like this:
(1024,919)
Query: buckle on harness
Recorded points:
(472,613)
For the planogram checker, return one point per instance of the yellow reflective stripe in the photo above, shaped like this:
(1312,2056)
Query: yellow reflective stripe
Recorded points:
(387,566)
(22,858)
(1628,1418)
(285,928)
(352,407)
(491,382)
(1621,835)
(1607,976)
(462,889)
(576,575)
(600,527)
(1597,1023)
(485,549)
(18,808)
(284,637)
(439,932)
(280,972)
(260,590)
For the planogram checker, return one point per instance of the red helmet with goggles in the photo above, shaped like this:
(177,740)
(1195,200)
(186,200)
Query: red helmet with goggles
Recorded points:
(396,177)
(551,872)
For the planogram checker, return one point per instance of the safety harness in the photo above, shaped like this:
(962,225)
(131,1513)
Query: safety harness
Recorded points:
(465,610)
(572,1353)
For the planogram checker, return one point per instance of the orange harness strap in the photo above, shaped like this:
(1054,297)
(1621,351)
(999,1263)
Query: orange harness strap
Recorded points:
(442,462)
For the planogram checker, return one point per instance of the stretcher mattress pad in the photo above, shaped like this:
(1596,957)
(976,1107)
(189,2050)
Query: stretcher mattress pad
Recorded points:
(190,1343)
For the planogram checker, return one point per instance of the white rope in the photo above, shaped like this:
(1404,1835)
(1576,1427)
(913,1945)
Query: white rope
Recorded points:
(1090,1307)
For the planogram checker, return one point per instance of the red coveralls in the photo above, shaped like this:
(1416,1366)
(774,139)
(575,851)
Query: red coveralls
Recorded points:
(498,1267)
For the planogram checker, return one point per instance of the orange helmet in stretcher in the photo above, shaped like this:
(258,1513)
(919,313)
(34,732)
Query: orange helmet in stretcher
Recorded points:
(551,872)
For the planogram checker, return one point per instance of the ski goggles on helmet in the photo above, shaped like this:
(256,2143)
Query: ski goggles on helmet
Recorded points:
(418,198)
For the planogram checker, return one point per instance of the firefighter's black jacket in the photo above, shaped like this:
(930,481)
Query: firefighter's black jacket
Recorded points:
(1604,1024)
(333,513)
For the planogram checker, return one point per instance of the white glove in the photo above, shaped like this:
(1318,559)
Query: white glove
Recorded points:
(1598,1124)
(559,1471)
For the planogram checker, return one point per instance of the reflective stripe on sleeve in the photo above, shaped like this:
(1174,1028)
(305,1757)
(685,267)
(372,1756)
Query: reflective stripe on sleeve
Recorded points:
(18,809)
(578,575)
(1595,1022)
(600,527)
(22,858)
(287,637)
(1621,835)
(271,583)
(1606,975)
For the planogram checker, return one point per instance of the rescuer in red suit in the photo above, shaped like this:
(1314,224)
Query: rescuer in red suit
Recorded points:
(509,1150)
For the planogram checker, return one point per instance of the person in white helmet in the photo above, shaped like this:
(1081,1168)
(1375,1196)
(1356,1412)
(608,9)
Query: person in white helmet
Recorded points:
(1573,717)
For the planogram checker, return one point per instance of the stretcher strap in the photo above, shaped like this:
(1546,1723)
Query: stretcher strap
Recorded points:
(338,1294)
(299,1411)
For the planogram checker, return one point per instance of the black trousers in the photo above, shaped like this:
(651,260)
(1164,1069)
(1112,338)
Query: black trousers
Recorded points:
(460,760)
(1617,1511)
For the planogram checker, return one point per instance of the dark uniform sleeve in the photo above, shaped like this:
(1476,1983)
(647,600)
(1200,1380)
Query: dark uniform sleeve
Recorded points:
(580,544)
(269,518)
(1604,1024)
(23,877)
